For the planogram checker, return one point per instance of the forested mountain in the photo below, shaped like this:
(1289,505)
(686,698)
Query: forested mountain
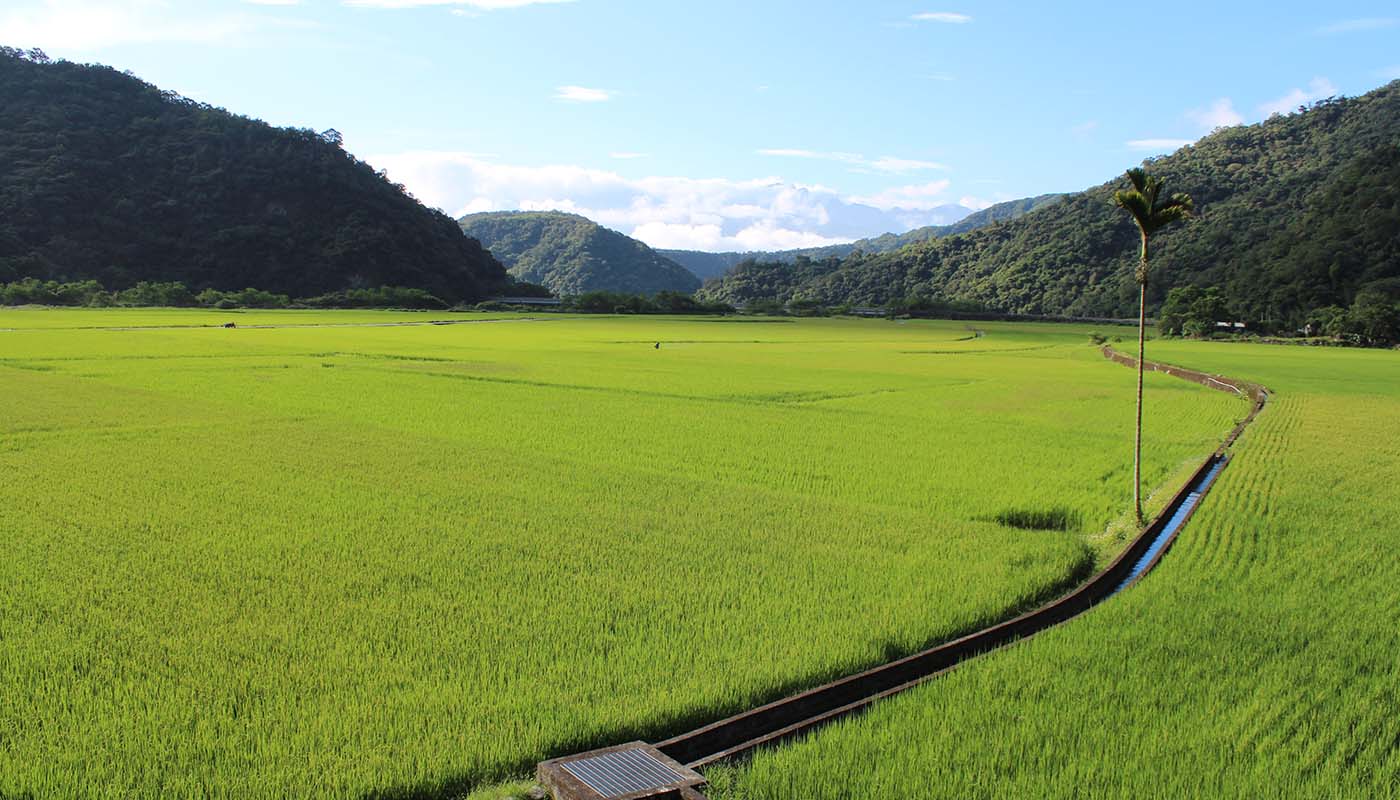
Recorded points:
(712,265)
(571,254)
(105,177)
(1295,213)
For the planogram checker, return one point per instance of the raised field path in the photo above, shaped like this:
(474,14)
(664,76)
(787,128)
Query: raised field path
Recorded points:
(667,769)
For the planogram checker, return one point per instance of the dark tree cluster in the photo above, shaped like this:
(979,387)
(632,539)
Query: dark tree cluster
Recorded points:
(105,177)
(174,294)
(626,303)
(1194,311)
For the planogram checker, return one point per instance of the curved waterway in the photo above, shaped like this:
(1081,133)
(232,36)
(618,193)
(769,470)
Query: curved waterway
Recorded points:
(1175,523)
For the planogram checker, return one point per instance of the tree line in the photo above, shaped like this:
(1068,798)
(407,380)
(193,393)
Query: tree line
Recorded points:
(605,302)
(174,294)
(1372,320)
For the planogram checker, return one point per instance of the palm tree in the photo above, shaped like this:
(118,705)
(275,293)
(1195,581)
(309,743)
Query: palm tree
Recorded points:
(1152,212)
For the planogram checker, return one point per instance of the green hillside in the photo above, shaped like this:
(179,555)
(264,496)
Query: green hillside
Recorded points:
(571,254)
(713,265)
(1296,213)
(709,265)
(105,177)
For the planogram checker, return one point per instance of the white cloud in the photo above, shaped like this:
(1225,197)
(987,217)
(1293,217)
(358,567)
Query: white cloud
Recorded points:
(940,76)
(1220,114)
(942,16)
(482,5)
(902,165)
(1317,89)
(975,203)
(627,156)
(1355,25)
(87,25)
(887,164)
(700,213)
(1085,128)
(582,94)
(924,197)
(1158,145)
(763,235)
(684,236)
(273,2)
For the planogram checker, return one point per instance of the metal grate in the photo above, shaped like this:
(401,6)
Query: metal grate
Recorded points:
(623,772)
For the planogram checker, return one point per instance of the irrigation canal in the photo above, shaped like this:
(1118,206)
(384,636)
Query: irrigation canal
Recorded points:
(668,769)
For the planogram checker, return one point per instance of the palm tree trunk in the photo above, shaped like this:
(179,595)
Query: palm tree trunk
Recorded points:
(1142,342)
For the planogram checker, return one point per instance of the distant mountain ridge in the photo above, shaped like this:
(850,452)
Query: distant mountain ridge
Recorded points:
(105,177)
(1295,214)
(712,265)
(571,254)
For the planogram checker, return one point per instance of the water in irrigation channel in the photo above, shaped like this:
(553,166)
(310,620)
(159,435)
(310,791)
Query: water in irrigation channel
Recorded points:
(1178,518)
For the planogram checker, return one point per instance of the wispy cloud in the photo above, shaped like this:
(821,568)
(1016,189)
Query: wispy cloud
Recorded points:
(1220,114)
(84,26)
(481,5)
(901,165)
(1158,145)
(627,156)
(940,76)
(942,16)
(1317,89)
(1357,25)
(1085,128)
(582,94)
(273,2)
(888,164)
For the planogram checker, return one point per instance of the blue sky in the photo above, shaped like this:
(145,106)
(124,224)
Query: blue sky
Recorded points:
(735,125)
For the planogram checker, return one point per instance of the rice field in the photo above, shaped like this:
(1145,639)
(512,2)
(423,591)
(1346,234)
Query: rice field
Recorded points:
(358,559)
(1258,660)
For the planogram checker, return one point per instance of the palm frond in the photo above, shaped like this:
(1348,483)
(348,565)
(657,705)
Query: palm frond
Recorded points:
(1153,190)
(1135,204)
(1145,204)
(1137,176)
(1167,216)
(1181,201)
(1174,209)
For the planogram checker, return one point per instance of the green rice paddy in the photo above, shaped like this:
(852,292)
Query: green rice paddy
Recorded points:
(1258,660)
(408,561)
